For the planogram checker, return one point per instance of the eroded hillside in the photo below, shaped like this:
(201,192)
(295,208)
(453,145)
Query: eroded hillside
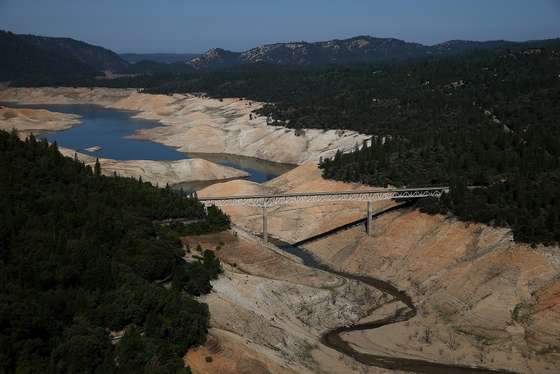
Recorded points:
(268,311)
(482,299)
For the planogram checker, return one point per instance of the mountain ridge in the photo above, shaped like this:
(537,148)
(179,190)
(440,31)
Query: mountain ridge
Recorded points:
(362,48)
(96,57)
(32,57)
(36,56)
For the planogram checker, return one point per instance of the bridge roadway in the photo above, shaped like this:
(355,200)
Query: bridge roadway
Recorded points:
(369,196)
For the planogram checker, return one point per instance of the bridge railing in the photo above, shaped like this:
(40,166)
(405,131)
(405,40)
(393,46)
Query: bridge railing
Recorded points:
(265,201)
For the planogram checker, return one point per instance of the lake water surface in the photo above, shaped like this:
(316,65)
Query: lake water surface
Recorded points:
(110,129)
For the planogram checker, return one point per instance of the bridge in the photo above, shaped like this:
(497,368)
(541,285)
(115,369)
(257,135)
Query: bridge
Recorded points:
(267,201)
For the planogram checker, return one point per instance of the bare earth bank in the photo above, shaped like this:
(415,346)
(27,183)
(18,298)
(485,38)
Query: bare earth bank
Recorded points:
(482,299)
(161,172)
(35,121)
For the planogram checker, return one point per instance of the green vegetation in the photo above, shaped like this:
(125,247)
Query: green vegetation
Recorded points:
(82,255)
(29,57)
(492,122)
(21,60)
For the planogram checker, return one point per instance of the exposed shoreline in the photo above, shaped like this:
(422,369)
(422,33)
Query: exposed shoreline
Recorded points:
(36,121)
(161,172)
(40,121)
(202,125)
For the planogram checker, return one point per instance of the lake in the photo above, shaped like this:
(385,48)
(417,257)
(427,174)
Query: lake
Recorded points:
(110,129)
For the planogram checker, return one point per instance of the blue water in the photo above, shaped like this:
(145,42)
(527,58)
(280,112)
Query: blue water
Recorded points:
(110,129)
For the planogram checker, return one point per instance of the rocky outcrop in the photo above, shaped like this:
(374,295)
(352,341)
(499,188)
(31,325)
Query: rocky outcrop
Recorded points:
(215,58)
(36,57)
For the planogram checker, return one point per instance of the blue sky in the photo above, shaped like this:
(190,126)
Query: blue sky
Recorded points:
(195,26)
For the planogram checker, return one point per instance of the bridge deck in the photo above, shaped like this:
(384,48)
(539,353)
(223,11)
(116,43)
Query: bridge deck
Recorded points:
(363,195)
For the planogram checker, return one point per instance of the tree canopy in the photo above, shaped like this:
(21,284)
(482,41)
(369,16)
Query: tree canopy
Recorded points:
(83,255)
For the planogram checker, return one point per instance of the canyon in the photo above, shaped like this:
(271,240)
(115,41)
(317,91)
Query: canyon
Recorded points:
(482,300)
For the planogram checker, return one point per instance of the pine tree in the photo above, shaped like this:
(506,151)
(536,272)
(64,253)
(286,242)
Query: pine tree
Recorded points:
(97,168)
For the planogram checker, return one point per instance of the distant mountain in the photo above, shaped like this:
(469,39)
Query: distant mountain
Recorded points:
(97,58)
(217,58)
(28,55)
(31,57)
(357,49)
(22,59)
(166,58)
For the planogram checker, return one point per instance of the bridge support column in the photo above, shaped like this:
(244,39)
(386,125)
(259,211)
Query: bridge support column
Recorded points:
(369,213)
(264,225)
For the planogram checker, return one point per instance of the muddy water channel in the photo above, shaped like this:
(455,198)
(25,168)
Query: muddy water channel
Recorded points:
(333,338)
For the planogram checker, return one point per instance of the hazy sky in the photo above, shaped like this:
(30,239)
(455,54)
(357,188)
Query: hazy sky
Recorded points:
(195,26)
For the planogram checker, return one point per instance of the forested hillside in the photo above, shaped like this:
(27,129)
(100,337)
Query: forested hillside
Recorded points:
(83,255)
(490,122)
(22,60)
(33,57)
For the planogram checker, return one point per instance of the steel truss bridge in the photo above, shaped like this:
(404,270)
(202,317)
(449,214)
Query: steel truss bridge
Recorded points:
(369,196)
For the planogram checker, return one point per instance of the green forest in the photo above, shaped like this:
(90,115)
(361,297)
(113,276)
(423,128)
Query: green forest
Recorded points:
(23,60)
(488,118)
(491,122)
(83,255)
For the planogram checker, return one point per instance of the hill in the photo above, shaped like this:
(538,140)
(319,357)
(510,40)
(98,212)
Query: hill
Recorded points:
(97,58)
(31,56)
(357,49)
(22,59)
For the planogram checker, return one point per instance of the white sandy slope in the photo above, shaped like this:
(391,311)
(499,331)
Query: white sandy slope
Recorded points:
(35,121)
(161,172)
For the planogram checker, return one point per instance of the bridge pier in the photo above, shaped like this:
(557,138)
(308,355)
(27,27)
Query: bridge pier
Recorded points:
(264,225)
(369,213)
